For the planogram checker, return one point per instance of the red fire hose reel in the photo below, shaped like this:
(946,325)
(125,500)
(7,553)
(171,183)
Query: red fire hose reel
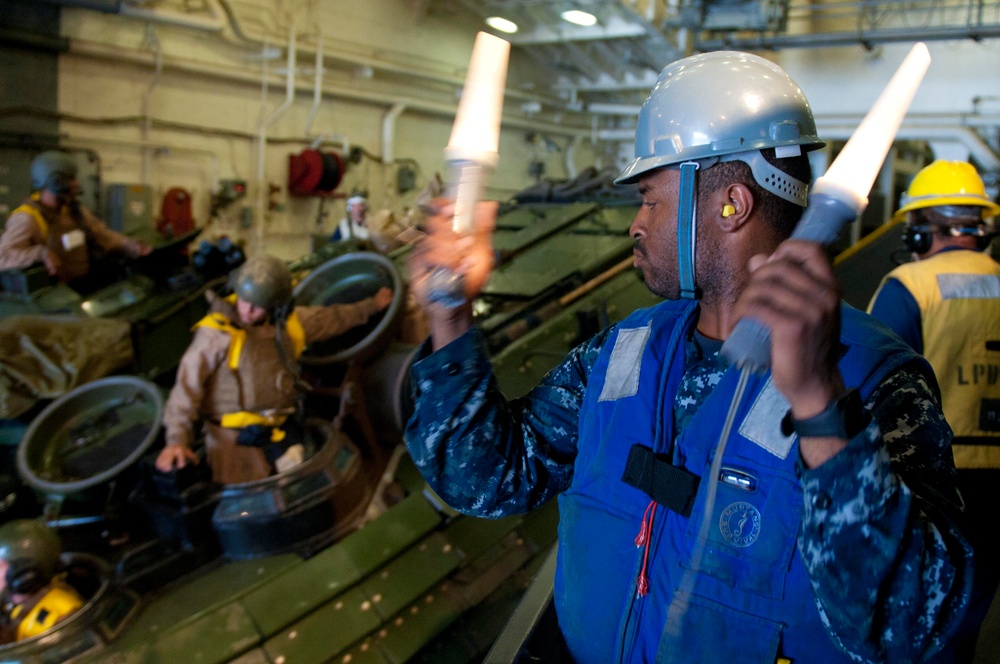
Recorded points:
(314,173)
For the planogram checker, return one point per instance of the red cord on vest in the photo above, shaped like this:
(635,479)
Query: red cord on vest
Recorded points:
(642,539)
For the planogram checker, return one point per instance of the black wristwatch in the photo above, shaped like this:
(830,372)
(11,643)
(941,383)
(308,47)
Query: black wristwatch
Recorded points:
(845,417)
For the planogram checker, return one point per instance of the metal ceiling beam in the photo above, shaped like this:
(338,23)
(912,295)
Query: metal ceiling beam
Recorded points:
(630,82)
(866,38)
(561,34)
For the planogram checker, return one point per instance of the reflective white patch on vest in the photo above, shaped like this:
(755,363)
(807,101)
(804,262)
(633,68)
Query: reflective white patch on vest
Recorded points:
(763,423)
(622,378)
(73,239)
(969,286)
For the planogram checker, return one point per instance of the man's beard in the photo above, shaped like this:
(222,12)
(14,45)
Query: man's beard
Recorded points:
(662,281)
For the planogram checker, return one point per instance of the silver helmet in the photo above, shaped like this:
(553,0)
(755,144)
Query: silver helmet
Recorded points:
(715,105)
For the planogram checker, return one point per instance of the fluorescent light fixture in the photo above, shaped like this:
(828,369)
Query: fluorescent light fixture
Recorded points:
(502,24)
(579,17)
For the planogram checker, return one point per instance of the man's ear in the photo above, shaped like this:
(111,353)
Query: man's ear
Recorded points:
(735,205)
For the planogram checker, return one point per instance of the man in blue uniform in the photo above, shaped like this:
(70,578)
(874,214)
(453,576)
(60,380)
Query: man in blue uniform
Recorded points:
(827,531)
(946,305)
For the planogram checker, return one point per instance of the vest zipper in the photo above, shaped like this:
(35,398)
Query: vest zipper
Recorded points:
(642,540)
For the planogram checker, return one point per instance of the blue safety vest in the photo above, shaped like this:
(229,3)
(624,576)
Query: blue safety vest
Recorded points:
(752,600)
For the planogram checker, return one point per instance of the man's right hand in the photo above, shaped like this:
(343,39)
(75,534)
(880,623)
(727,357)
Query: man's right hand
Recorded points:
(175,456)
(52,263)
(469,256)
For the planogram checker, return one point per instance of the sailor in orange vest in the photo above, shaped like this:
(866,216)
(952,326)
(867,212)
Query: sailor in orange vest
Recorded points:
(946,305)
(51,226)
(238,375)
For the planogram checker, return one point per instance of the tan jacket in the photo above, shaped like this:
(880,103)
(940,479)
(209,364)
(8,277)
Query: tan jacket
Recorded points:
(202,391)
(33,230)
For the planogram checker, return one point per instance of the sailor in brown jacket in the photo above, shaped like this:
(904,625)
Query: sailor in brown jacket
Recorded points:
(51,226)
(239,375)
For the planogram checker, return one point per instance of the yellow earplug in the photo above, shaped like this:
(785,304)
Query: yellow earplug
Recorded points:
(728,210)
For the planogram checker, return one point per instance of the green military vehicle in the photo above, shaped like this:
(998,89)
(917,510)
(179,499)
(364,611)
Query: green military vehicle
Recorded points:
(348,557)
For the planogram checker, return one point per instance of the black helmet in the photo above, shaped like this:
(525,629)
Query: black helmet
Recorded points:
(53,171)
(31,551)
(264,281)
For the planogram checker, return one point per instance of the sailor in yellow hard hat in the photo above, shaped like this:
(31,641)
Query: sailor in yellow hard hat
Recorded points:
(946,305)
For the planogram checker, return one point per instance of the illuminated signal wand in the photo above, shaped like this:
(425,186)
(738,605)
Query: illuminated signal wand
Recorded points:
(840,194)
(472,151)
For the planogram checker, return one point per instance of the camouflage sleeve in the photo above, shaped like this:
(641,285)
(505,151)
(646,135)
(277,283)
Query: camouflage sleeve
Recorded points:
(890,568)
(485,455)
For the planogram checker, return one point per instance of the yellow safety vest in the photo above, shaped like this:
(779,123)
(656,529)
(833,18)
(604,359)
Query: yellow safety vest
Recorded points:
(241,419)
(218,321)
(43,226)
(958,294)
(58,602)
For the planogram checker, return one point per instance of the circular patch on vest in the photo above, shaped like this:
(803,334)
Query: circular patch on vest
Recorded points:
(740,524)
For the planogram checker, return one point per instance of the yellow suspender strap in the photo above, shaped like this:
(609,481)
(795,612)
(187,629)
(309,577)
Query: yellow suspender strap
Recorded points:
(43,226)
(296,333)
(217,321)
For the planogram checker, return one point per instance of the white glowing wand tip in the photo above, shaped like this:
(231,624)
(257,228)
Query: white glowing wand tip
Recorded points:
(472,151)
(841,194)
(475,136)
(854,170)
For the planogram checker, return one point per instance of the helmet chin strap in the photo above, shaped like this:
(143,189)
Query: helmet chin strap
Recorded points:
(687,209)
(767,176)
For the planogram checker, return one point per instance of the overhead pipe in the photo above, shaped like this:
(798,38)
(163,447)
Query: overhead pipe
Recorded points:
(69,139)
(317,85)
(223,14)
(214,23)
(261,183)
(147,105)
(910,131)
(340,139)
(117,55)
(389,131)
(103,6)
(984,155)
(865,38)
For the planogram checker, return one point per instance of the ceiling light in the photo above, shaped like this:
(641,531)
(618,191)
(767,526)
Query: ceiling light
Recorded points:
(579,17)
(502,24)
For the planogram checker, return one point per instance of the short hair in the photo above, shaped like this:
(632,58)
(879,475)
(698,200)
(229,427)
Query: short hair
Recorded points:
(782,214)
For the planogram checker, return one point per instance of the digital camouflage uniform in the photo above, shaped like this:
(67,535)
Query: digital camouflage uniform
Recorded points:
(489,457)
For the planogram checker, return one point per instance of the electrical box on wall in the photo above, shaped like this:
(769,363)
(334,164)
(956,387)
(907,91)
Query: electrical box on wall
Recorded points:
(406,179)
(229,192)
(130,208)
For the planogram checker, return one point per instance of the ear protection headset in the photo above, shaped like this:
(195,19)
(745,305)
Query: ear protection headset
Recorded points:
(25,576)
(918,238)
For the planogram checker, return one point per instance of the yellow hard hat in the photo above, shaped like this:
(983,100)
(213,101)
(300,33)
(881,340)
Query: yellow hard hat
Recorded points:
(947,183)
